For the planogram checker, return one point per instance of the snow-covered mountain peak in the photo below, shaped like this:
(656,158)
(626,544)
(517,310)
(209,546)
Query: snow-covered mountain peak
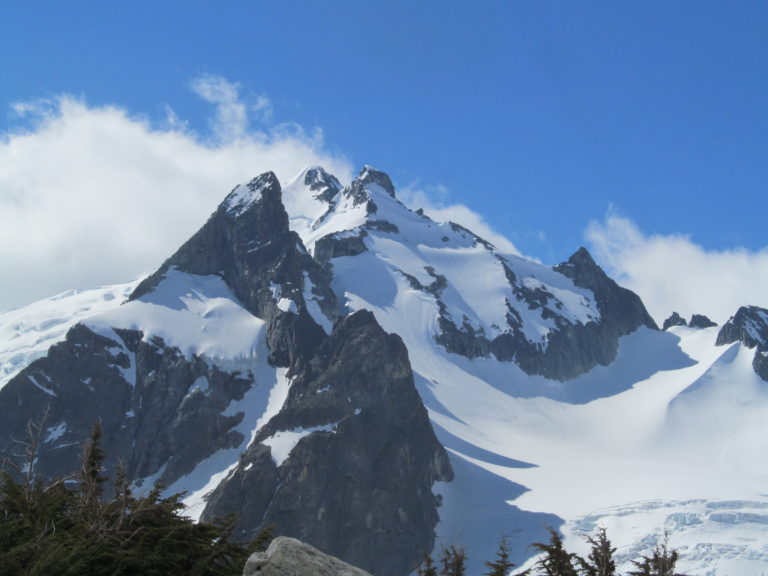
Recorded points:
(580,260)
(250,370)
(367,186)
(370,176)
(324,186)
(318,206)
(246,195)
(486,302)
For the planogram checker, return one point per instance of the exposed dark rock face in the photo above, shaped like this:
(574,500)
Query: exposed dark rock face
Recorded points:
(572,348)
(382,226)
(290,557)
(160,413)
(760,363)
(340,244)
(359,191)
(467,233)
(323,185)
(248,243)
(700,321)
(359,485)
(674,320)
(750,327)
(620,308)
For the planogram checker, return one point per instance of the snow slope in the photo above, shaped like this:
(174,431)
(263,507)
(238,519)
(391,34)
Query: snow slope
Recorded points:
(26,333)
(671,436)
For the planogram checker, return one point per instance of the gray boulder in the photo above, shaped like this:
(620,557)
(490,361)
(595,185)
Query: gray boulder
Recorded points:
(290,557)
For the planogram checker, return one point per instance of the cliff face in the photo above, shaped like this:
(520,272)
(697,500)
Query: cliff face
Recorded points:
(353,445)
(750,327)
(571,347)
(346,462)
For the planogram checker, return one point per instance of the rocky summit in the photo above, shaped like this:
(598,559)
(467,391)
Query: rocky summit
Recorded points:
(750,327)
(674,320)
(322,359)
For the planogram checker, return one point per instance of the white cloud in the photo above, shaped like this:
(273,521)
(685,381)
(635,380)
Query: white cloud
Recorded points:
(93,195)
(231,121)
(672,273)
(433,200)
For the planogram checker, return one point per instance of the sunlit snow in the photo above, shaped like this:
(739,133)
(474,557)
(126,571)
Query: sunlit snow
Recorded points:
(27,333)
(197,314)
(283,442)
(671,436)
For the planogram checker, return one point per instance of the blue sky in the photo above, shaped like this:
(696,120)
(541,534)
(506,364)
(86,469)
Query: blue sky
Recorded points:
(613,124)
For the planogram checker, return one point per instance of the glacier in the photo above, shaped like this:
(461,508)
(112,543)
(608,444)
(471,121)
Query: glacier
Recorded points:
(669,436)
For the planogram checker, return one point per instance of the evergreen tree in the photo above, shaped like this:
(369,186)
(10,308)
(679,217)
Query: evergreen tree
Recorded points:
(600,560)
(502,565)
(453,560)
(427,567)
(660,563)
(70,531)
(90,477)
(556,561)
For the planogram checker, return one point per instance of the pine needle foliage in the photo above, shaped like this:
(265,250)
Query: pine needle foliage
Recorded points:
(427,567)
(555,559)
(600,561)
(72,529)
(502,564)
(661,562)
(453,560)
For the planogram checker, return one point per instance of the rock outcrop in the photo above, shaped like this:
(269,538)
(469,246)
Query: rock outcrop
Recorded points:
(750,327)
(349,462)
(324,186)
(700,321)
(290,557)
(359,190)
(572,348)
(248,243)
(674,320)
(159,410)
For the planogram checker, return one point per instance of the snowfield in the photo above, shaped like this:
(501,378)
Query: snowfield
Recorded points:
(672,436)
(668,438)
(26,333)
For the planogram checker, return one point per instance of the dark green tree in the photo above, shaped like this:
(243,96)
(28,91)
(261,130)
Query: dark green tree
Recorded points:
(661,562)
(502,565)
(555,560)
(600,560)
(75,530)
(90,474)
(453,561)
(427,567)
